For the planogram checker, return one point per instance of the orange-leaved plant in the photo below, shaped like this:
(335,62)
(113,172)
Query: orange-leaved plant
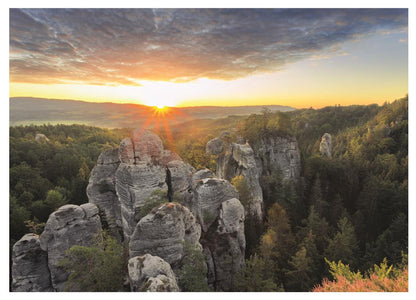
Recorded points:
(382,278)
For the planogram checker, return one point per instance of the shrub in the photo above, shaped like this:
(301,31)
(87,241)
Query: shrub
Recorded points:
(100,268)
(381,278)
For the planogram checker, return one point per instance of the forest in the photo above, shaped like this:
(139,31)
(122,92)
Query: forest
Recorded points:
(342,227)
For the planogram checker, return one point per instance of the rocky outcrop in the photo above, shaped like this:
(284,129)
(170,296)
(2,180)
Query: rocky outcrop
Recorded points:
(120,184)
(224,245)
(145,167)
(325,147)
(101,190)
(164,231)
(279,153)
(30,271)
(68,226)
(239,160)
(149,273)
(221,216)
(41,138)
(209,194)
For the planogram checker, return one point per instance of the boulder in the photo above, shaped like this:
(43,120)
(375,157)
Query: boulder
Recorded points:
(149,273)
(30,271)
(215,146)
(202,174)
(101,191)
(68,226)
(325,147)
(163,233)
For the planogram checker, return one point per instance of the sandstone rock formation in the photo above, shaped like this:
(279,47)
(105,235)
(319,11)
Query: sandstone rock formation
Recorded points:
(224,245)
(163,233)
(41,138)
(221,216)
(101,190)
(325,147)
(236,160)
(281,154)
(30,271)
(145,167)
(120,184)
(209,193)
(68,226)
(149,273)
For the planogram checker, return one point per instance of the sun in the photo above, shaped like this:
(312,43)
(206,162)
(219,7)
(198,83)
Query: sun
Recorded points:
(160,106)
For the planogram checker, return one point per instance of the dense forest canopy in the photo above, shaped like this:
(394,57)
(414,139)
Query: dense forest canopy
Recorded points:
(352,207)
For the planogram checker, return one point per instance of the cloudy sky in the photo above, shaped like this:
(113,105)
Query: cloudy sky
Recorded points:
(297,57)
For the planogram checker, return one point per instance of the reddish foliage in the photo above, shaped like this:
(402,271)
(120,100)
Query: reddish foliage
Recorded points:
(374,283)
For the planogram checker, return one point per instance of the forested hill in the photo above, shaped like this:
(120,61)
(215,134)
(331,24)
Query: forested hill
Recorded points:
(37,111)
(350,207)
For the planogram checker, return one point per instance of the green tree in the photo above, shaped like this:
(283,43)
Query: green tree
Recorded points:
(193,273)
(299,275)
(344,245)
(100,268)
(256,276)
(243,189)
(277,243)
(18,215)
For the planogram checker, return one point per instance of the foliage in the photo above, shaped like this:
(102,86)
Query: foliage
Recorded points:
(100,268)
(45,175)
(34,226)
(382,278)
(344,245)
(243,189)
(156,198)
(192,274)
(255,277)
(255,127)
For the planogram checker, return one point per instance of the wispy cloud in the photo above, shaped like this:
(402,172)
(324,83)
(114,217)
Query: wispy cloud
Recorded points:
(124,46)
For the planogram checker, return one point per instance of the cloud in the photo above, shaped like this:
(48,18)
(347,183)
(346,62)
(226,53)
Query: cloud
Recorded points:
(124,46)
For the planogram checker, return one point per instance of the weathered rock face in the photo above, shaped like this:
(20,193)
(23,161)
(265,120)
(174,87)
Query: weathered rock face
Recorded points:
(30,271)
(224,245)
(215,146)
(149,273)
(135,184)
(221,216)
(41,138)
(209,193)
(101,190)
(68,226)
(325,147)
(163,233)
(145,168)
(239,160)
(281,154)
(180,180)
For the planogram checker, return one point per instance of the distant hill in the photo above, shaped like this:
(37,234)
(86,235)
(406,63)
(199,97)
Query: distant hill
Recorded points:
(25,111)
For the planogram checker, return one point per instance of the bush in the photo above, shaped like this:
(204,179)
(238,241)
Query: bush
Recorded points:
(100,268)
(193,274)
(381,278)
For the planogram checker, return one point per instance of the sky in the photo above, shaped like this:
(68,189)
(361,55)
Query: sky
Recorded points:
(192,57)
